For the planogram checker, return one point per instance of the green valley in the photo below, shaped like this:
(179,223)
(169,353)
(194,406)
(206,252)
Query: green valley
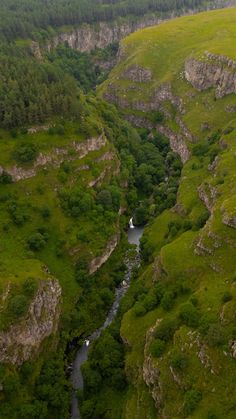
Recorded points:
(183,345)
(101,135)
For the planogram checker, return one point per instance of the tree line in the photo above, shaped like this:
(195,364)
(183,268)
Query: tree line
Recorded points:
(27,18)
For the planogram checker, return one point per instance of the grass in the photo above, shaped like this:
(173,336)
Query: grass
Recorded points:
(210,276)
(39,191)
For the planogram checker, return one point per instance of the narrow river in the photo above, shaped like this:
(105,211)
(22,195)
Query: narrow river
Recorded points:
(134,236)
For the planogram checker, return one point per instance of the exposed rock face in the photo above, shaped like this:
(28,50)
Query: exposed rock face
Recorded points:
(88,37)
(229,220)
(207,194)
(139,121)
(160,95)
(233,349)
(137,74)
(96,263)
(164,93)
(22,340)
(111,95)
(150,371)
(56,157)
(177,143)
(217,71)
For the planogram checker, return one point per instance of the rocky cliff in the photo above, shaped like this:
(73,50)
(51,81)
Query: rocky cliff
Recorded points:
(96,263)
(22,340)
(88,37)
(214,71)
(56,157)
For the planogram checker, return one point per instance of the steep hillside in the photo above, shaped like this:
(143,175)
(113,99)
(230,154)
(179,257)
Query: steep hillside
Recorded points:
(61,197)
(179,79)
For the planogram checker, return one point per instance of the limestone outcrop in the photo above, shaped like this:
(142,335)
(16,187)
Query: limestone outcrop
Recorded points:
(214,71)
(96,263)
(22,340)
(56,157)
(177,143)
(88,37)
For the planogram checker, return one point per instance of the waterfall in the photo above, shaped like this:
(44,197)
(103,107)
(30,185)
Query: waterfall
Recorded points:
(131,223)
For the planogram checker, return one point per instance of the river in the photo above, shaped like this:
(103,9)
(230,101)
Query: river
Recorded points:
(134,236)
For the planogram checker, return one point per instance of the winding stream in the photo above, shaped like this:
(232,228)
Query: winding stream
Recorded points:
(134,236)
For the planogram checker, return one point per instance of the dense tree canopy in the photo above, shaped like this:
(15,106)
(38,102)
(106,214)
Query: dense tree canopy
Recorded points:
(32,17)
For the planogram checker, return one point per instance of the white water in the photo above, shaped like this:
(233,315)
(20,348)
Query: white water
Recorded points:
(131,225)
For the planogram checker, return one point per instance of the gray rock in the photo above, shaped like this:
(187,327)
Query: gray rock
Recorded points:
(22,340)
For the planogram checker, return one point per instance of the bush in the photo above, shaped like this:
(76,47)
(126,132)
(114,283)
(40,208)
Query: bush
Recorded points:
(227,297)
(18,212)
(200,149)
(81,272)
(5,178)
(18,305)
(157,348)
(192,398)
(25,153)
(150,301)
(139,309)
(156,117)
(37,242)
(189,315)
(45,212)
(167,301)
(201,221)
(166,329)
(179,361)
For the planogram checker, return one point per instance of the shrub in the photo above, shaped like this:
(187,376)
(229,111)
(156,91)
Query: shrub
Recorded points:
(200,149)
(139,309)
(25,153)
(227,297)
(18,212)
(166,329)
(167,300)
(81,271)
(37,241)
(189,315)
(179,361)
(5,178)
(157,348)
(201,221)
(192,399)
(150,301)
(45,212)
(205,321)
(18,305)
(156,117)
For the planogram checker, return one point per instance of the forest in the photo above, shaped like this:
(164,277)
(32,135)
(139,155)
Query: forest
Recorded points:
(55,222)
(38,18)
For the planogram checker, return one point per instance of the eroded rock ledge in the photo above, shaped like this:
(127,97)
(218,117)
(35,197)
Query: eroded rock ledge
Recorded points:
(56,157)
(96,263)
(88,37)
(22,340)
(177,143)
(214,71)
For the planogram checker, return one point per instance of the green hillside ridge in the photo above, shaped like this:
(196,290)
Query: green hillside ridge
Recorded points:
(180,332)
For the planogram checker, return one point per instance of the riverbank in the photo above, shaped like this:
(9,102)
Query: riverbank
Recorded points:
(134,235)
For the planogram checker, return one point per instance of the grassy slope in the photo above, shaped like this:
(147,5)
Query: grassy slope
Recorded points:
(164,50)
(65,233)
